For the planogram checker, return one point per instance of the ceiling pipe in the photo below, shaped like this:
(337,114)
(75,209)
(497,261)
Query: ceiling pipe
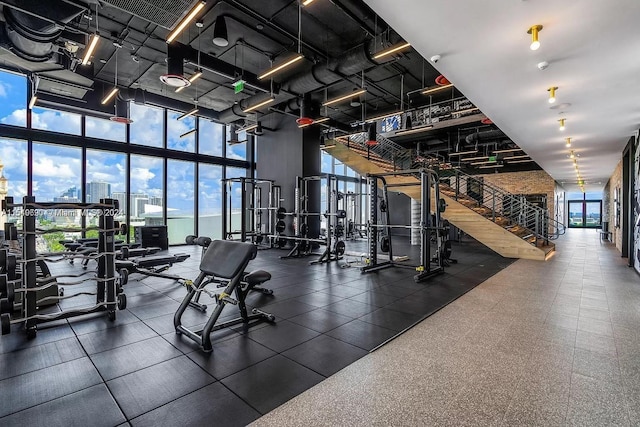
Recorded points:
(477,136)
(31,37)
(352,62)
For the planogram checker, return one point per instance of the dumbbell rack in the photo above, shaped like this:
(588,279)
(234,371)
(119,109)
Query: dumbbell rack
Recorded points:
(109,294)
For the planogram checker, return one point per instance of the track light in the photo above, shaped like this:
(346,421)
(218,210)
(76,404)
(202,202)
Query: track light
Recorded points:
(109,96)
(280,67)
(562,123)
(247,128)
(414,130)
(508,150)
(220,36)
(383,116)
(315,121)
(491,166)
(344,97)
(466,110)
(185,21)
(189,113)
(92,46)
(568,139)
(391,50)
(187,133)
(463,153)
(307,2)
(259,105)
(437,89)
(521,161)
(552,94)
(534,30)
(192,79)
(474,158)
(516,157)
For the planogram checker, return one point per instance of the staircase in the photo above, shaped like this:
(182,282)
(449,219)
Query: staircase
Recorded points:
(507,224)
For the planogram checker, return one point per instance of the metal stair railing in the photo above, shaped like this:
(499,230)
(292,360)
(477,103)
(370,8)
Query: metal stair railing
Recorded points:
(501,206)
(534,221)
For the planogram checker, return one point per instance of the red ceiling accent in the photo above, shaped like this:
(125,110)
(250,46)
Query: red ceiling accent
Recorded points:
(304,121)
(442,80)
(486,121)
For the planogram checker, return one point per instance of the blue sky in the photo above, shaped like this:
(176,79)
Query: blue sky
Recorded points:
(58,168)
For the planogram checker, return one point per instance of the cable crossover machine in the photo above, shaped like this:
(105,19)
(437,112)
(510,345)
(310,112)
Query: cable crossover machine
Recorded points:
(379,232)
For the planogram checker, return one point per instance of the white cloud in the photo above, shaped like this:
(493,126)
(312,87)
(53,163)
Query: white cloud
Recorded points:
(4,89)
(16,118)
(45,166)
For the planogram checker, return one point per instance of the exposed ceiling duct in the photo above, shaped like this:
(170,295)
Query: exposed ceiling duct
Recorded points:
(32,38)
(478,136)
(323,74)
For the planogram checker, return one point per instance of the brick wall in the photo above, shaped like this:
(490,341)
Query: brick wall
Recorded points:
(529,182)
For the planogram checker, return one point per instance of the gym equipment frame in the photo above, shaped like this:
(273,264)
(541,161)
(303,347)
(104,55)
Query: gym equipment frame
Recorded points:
(428,182)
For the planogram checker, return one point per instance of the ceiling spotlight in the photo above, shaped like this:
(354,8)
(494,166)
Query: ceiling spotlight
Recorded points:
(572,155)
(220,36)
(568,139)
(552,94)
(534,30)
(562,123)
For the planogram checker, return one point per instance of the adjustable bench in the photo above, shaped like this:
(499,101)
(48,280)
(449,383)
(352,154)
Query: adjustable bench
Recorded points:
(151,265)
(226,260)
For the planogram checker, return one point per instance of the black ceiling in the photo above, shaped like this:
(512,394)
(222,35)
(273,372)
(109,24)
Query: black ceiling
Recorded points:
(336,35)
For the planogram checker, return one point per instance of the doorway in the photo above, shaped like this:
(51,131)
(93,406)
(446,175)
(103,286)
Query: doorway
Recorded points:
(585,213)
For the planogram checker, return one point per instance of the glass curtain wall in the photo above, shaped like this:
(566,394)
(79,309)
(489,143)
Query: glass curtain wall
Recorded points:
(81,158)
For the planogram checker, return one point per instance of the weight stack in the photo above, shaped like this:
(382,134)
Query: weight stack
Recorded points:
(150,236)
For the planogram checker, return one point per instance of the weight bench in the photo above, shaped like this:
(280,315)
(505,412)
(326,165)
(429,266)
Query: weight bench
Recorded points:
(151,265)
(227,260)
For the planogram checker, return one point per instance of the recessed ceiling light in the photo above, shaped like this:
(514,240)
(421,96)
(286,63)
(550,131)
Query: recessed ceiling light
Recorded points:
(260,27)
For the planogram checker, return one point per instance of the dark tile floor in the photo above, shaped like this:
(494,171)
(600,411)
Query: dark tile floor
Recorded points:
(90,371)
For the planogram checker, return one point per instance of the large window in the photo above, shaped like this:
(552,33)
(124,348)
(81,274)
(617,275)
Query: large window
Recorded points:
(146,198)
(178,136)
(148,125)
(56,121)
(105,129)
(180,200)
(211,137)
(210,200)
(13,99)
(13,157)
(106,178)
(238,149)
(234,200)
(57,178)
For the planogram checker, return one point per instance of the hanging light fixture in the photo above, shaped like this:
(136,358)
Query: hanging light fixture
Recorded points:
(534,30)
(292,60)
(372,135)
(220,36)
(259,105)
(305,108)
(93,42)
(113,91)
(306,2)
(568,139)
(34,89)
(562,123)
(357,92)
(552,94)
(437,89)
(116,118)
(391,50)
(185,21)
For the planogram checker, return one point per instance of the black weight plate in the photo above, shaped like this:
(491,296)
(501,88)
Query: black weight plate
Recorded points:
(281,213)
(280,226)
(3,285)
(5,305)
(124,252)
(281,243)
(203,241)
(11,262)
(123,229)
(259,238)
(304,230)
(340,248)
(342,214)
(384,244)
(190,239)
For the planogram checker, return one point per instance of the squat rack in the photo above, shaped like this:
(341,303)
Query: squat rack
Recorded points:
(252,209)
(428,182)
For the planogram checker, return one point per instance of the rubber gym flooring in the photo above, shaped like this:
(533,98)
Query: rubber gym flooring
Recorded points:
(136,370)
